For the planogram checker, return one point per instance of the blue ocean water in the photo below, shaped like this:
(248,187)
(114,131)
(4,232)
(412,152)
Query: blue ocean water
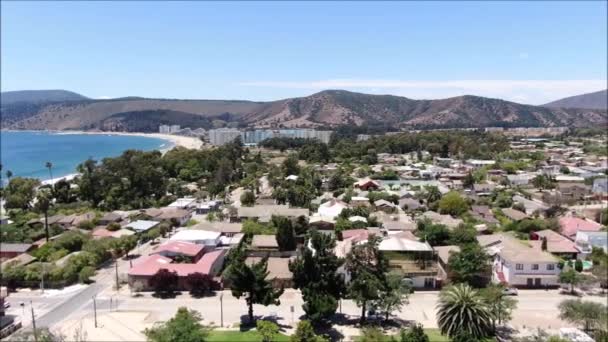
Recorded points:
(26,153)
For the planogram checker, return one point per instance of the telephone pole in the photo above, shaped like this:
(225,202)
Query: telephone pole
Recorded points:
(34,323)
(116,268)
(95,311)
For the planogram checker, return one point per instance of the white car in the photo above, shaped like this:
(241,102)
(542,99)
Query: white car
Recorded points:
(509,291)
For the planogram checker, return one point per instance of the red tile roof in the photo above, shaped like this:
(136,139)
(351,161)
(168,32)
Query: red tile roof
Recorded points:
(150,264)
(571,225)
(180,247)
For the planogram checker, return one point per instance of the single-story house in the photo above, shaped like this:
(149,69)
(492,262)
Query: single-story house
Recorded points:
(557,244)
(225,228)
(173,249)
(141,226)
(186,203)
(331,208)
(180,216)
(206,238)
(514,215)
(367,184)
(278,271)
(569,226)
(145,267)
(264,242)
(11,250)
(484,214)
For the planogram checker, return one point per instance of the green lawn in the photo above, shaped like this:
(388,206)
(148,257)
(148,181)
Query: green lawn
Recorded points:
(240,336)
(435,336)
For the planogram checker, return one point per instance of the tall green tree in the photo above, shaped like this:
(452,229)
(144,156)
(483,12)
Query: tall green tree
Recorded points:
(286,238)
(367,267)
(589,315)
(394,296)
(500,306)
(184,327)
(452,203)
(250,281)
(570,277)
(315,273)
(21,193)
(462,310)
(468,264)
(247,198)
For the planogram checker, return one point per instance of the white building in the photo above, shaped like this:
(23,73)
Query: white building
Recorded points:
(519,263)
(223,136)
(200,237)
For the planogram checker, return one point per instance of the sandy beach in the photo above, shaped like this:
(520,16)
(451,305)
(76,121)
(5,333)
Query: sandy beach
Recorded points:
(176,140)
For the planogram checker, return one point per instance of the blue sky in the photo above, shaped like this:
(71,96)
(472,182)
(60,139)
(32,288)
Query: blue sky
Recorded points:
(526,52)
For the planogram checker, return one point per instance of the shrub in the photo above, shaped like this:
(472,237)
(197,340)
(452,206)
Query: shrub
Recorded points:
(85,274)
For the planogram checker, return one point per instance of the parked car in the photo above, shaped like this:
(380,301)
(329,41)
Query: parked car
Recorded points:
(509,291)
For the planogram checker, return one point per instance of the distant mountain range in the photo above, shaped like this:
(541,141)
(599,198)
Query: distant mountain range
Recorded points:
(328,108)
(596,100)
(37,96)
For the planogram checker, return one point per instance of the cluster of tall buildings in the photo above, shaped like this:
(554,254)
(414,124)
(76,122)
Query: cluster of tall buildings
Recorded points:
(168,129)
(225,135)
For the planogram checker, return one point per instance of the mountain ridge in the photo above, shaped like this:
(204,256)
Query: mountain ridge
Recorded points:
(328,108)
(594,100)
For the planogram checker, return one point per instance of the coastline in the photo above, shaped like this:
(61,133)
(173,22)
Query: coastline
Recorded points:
(175,140)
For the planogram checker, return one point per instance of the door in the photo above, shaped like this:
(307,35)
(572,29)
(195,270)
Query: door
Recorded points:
(529,282)
(537,282)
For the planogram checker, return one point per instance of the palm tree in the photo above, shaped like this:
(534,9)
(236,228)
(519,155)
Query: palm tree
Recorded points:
(49,166)
(461,310)
(43,203)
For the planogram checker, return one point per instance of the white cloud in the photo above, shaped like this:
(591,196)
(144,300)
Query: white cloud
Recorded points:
(526,91)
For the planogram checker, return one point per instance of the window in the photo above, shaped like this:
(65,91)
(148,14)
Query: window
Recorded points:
(535,267)
(550,267)
(519,267)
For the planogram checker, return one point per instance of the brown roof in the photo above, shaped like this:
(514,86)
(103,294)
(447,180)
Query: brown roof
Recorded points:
(171,213)
(513,249)
(278,268)
(222,227)
(443,252)
(264,241)
(513,214)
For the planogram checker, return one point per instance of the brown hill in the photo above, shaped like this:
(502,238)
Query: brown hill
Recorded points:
(595,100)
(326,108)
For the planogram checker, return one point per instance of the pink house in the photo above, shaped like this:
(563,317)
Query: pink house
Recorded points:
(570,225)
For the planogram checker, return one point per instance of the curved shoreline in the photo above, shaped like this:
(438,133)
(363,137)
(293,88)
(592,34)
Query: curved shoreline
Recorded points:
(175,140)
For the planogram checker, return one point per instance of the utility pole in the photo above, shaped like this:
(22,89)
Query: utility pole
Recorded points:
(116,268)
(34,323)
(95,311)
(222,309)
(42,279)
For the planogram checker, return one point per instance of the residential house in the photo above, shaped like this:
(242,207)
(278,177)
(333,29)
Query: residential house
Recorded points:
(145,267)
(186,203)
(263,213)
(520,179)
(385,205)
(587,240)
(175,249)
(557,244)
(209,239)
(483,189)
(367,184)
(600,186)
(206,207)
(322,222)
(443,256)
(409,204)
(437,218)
(225,228)
(174,215)
(141,226)
(570,226)
(359,201)
(264,243)
(412,259)
(331,208)
(484,214)
(108,218)
(11,250)
(514,215)
(519,263)
(279,274)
